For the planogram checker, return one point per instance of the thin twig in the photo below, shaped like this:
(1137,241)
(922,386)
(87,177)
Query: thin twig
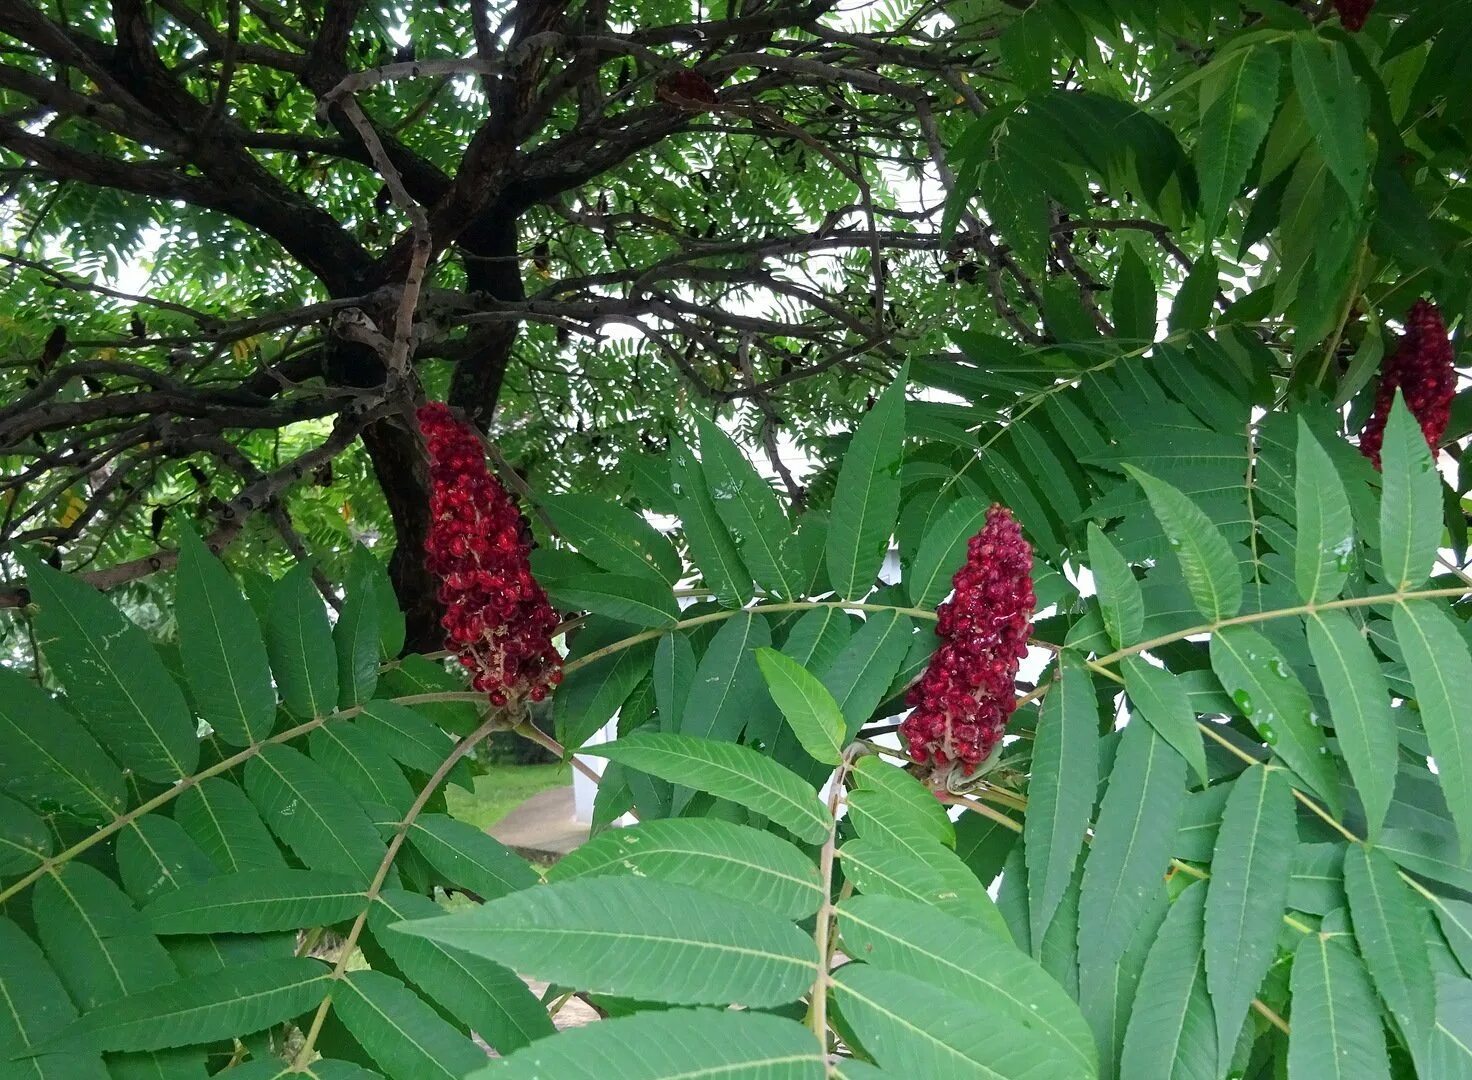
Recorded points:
(532,733)
(421,244)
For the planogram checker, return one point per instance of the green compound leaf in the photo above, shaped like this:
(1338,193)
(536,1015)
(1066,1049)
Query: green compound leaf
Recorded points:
(406,1038)
(1441,671)
(1133,836)
(727,771)
(1211,570)
(749,508)
(728,691)
(711,547)
(1359,707)
(51,763)
(24,839)
(1120,601)
(38,1007)
(1336,105)
(916,939)
(357,634)
(613,537)
(638,601)
(1268,694)
(469,858)
(256,902)
(103,660)
(1388,927)
(680,1044)
(1337,1033)
(222,821)
(1162,701)
(1325,540)
(1132,298)
(299,643)
(1246,895)
(905,798)
(813,715)
(1237,105)
(220,645)
(639,938)
(236,1001)
(1172,1031)
(734,861)
(924,872)
(916,1029)
(312,814)
(1410,505)
(1061,793)
(866,498)
(486,997)
(942,552)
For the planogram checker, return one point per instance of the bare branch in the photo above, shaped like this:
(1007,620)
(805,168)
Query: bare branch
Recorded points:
(253,497)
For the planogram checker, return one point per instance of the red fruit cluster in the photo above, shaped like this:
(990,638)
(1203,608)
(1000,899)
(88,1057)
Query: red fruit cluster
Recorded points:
(497,618)
(687,89)
(1353,13)
(963,700)
(1422,369)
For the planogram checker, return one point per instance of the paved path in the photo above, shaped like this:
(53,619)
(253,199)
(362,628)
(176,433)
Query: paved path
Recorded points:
(543,825)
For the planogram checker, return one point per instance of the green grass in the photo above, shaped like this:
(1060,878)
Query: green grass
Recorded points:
(501,789)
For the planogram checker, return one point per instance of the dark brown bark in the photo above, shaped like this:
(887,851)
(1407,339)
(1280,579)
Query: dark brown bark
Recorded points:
(398,460)
(187,145)
(490,268)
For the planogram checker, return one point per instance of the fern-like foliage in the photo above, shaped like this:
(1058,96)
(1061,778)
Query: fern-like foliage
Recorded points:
(1229,831)
(1216,842)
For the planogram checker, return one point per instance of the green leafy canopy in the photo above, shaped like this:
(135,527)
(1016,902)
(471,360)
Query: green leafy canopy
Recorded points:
(755,379)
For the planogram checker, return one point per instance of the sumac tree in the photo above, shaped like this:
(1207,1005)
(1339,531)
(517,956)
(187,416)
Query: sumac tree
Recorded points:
(1178,418)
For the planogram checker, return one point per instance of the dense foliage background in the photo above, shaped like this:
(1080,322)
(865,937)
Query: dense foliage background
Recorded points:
(743,299)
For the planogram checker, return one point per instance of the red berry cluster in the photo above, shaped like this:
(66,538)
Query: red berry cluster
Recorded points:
(963,700)
(688,89)
(1422,369)
(497,618)
(1353,13)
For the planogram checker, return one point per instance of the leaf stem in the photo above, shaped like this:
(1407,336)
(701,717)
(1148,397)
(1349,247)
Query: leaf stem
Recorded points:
(1316,809)
(978,807)
(532,733)
(48,865)
(1400,596)
(823,928)
(1270,1016)
(717,616)
(163,798)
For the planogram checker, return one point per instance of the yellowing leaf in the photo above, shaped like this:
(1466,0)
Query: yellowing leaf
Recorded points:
(71,509)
